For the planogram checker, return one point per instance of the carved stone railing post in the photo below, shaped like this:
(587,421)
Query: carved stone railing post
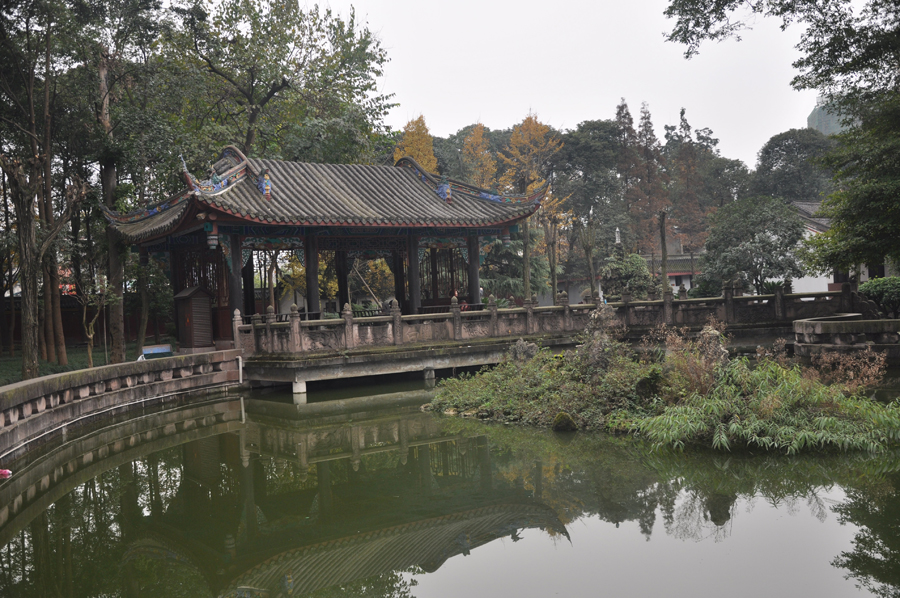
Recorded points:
(682,292)
(626,299)
(397,326)
(456,318)
(256,329)
(728,295)
(270,334)
(349,337)
(296,331)
(492,307)
(668,313)
(779,303)
(563,300)
(528,304)
(236,321)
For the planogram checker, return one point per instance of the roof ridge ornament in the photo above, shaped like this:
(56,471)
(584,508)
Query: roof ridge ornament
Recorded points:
(188,178)
(444,190)
(264,184)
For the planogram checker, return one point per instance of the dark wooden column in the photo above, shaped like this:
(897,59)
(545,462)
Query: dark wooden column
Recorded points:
(235,296)
(249,289)
(399,280)
(474,263)
(435,289)
(311,257)
(412,271)
(340,268)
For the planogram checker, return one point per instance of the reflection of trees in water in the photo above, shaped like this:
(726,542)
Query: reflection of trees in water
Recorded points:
(396,584)
(710,486)
(695,493)
(874,562)
(75,547)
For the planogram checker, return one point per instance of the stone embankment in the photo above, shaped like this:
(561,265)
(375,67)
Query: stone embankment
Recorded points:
(32,409)
(845,333)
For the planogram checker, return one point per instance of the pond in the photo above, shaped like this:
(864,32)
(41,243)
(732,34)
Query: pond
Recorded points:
(209,500)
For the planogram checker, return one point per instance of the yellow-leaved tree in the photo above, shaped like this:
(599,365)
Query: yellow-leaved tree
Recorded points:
(417,144)
(527,158)
(479,159)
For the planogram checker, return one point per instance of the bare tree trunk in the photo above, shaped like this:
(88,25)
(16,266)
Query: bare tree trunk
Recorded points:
(526,256)
(143,278)
(62,356)
(47,315)
(51,291)
(586,235)
(108,182)
(11,281)
(551,233)
(42,328)
(664,261)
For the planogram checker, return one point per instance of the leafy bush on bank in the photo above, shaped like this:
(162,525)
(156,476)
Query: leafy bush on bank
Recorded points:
(676,390)
(885,292)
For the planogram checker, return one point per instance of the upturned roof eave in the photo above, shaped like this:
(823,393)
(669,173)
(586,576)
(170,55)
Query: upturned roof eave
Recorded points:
(199,198)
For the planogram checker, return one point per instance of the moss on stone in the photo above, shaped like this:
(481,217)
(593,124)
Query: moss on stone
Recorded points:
(563,422)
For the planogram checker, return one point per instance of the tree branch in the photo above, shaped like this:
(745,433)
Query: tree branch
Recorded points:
(74,194)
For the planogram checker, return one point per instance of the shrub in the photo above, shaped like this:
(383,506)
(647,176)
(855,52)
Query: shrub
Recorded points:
(774,408)
(885,292)
(627,273)
(690,392)
(704,286)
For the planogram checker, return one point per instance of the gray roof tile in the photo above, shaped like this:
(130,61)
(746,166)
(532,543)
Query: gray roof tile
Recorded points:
(333,194)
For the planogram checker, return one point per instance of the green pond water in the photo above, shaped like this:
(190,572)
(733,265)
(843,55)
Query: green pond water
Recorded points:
(399,502)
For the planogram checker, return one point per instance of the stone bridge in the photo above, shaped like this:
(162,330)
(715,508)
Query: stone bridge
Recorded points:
(287,349)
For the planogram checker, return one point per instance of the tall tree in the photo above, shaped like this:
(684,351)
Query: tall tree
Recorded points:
(479,159)
(266,66)
(528,159)
(417,144)
(648,193)
(686,151)
(788,166)
(756,238)
(848,52)
(585,172)
(30,53)
(114,49)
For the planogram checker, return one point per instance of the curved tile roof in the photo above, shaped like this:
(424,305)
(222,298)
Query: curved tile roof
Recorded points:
(427,543)
(347,195)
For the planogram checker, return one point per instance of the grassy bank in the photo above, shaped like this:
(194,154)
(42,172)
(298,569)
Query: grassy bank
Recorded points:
(687,393)
(11,367)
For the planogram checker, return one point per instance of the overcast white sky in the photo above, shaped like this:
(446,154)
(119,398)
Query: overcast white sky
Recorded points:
(463,61)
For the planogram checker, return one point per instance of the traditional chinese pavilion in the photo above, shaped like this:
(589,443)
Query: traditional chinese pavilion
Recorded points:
(428,229)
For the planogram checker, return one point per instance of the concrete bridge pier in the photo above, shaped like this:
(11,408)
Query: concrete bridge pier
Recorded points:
(299,388)
(429,377)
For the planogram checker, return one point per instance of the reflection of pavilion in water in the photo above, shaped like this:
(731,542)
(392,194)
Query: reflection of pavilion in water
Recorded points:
(331,501)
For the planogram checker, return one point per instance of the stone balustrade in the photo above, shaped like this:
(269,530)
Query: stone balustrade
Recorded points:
(266,335)
(64,398)
(847,333)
